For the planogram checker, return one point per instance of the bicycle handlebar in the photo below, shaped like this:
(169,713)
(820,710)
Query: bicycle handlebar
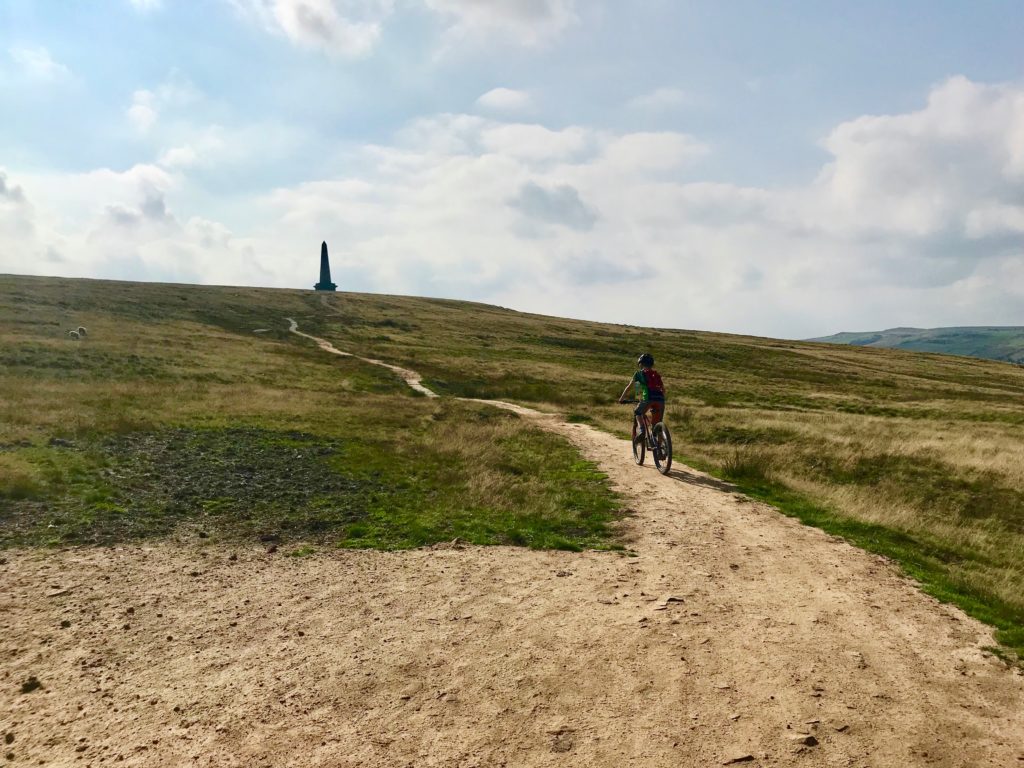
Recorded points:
(628,402)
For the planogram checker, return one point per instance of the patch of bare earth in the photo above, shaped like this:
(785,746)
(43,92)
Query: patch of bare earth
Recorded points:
(737,636)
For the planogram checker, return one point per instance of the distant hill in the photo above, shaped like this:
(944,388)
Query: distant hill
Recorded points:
(990,342)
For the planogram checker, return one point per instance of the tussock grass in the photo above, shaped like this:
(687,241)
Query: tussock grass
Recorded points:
(748,465)
(19,480)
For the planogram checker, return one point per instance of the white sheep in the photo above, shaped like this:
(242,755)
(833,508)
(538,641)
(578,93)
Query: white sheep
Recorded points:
(74,335)
(81,331)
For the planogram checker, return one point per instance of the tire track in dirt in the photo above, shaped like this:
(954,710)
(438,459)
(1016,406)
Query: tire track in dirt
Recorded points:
(736,634)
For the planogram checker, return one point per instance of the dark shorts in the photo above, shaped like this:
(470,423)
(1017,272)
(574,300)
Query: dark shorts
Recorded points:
(656,408)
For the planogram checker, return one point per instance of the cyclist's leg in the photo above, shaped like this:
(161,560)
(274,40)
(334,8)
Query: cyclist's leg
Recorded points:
(657,412)
(638,413)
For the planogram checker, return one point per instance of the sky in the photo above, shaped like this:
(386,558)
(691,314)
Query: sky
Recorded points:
(787,169)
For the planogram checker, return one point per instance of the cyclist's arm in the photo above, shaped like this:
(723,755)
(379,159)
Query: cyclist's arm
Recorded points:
(625,392)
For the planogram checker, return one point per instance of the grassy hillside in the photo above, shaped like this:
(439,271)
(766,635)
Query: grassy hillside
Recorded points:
(172,417)
(991,343)
(915,456)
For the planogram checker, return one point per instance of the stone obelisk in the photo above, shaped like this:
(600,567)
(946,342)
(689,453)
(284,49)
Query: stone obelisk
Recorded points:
(325,283)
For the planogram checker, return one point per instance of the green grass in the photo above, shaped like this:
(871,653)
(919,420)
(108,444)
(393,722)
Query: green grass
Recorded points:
(229,481)
(172,418)
(243,483)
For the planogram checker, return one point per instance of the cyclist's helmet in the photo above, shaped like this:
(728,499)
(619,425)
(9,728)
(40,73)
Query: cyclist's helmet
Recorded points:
(646,359)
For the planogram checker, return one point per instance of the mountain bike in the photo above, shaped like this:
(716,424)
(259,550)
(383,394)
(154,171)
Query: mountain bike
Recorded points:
(657,440)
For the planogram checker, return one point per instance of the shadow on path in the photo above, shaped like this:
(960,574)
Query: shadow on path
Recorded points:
(692,478)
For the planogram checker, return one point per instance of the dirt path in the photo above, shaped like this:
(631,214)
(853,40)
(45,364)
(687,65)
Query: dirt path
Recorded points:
(735,635)
(411,378)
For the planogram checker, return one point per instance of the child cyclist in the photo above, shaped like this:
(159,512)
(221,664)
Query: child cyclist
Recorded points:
(650,391)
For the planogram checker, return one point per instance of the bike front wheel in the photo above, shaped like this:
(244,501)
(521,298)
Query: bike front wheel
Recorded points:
(662,448)
(639,449)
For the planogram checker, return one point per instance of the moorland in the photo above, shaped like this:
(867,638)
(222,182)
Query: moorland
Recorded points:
(192,411)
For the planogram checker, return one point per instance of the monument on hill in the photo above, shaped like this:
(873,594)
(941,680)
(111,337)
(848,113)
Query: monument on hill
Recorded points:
(325,283)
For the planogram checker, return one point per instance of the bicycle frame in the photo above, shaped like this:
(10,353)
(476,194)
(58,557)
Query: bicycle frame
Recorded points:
(648,429)
(647,424)
(660,444)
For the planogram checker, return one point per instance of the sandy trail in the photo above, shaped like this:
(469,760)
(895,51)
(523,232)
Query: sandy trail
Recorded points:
(735,634)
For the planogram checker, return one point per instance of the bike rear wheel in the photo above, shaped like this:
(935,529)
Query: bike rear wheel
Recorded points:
(662,448)
(639,449)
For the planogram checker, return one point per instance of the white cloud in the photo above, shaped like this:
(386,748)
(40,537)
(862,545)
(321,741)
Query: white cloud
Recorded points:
(146,5)
(988,220)
(921,174)
(75,201)
(473,207)
(653,151)
(318,24)
(175,91)
(114,224)
(505,100)
(352,28)
(527,22)
(660,100)
(447,133)
(345,28)
(143,112)
(535,142)
(9,193)
(916,219)
(37,63)
(16,215)
(179,157)
(214,145)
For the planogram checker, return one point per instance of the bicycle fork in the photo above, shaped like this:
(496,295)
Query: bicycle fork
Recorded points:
(648,432)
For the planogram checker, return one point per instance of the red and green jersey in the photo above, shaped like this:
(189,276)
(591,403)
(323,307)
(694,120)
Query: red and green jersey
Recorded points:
(648,386)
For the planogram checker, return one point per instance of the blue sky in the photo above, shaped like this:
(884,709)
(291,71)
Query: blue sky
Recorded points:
(787,169)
